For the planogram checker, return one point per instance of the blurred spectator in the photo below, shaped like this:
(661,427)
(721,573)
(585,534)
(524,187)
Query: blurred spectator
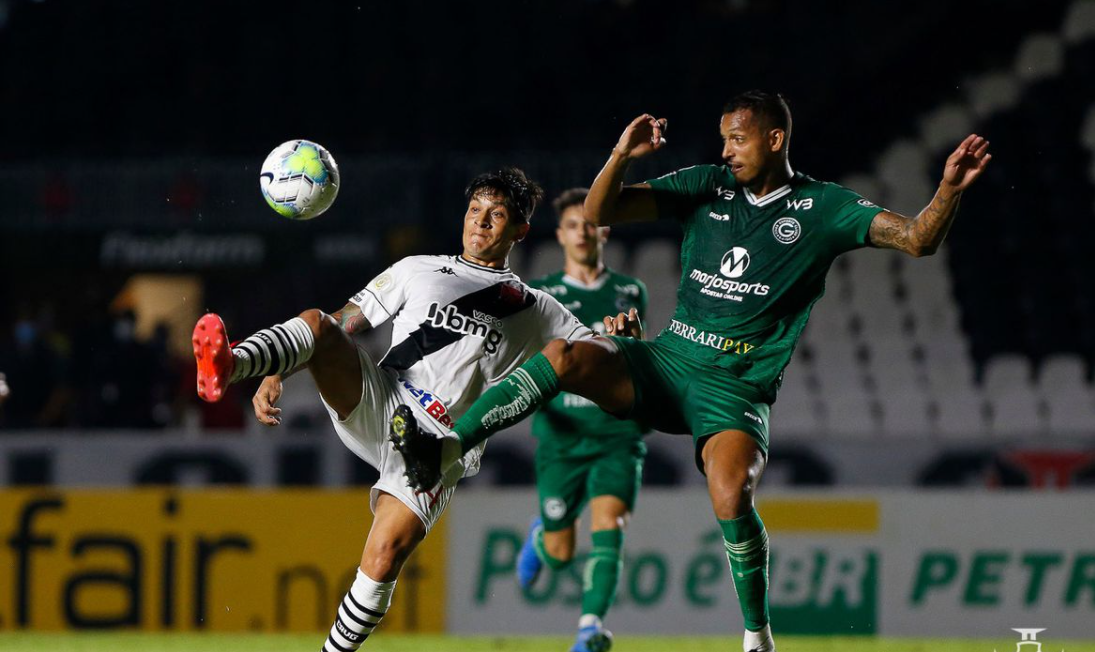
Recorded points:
(32,363)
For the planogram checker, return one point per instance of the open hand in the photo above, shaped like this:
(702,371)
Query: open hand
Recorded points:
(967,162)
(644,135)
(628,325)
(264,400)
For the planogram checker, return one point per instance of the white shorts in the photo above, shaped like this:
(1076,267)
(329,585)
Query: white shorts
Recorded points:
(365,432)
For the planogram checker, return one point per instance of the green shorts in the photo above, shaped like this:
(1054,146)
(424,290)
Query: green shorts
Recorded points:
(567,480)
(679,395)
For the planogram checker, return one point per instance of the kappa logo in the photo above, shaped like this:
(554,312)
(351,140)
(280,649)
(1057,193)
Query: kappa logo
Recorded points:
(800,204)
(724,193)
(735,262)
(446,270)
(786,230)
(1028,641)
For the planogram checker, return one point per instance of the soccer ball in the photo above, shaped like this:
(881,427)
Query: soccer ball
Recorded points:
(299,179)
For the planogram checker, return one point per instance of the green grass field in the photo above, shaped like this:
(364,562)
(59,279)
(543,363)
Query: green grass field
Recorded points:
(394,643)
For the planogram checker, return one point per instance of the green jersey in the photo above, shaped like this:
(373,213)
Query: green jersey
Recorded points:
(569,414)
(752,268)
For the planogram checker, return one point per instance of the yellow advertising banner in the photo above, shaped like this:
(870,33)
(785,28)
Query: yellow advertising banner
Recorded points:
(216,560)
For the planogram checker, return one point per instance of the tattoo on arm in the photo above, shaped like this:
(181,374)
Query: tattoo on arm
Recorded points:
(921,235)
(350,319)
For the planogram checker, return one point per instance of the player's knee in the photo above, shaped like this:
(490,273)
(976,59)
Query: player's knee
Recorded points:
(560,354)
(610,520)
(731,489)
(316,320)
(386,558)
(324,327)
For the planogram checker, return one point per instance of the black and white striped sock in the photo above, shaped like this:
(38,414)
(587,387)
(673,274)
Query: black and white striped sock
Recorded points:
(274,350)
(361,610)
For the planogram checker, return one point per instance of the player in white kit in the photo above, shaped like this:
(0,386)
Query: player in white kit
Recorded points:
(460,324)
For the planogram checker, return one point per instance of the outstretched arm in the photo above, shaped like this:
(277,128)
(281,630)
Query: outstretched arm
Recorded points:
(922,235)
(269,392)
(609,201)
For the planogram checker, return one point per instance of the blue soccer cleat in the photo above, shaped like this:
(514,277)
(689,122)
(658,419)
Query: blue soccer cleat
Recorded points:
(528,562)
(594,638)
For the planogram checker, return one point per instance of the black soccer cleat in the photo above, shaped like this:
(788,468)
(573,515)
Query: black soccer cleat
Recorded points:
(420,450)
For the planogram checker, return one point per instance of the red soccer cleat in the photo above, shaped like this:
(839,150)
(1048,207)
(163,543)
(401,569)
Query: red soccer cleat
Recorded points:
(214,357)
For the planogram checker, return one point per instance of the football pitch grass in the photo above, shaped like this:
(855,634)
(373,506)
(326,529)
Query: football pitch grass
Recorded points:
(109,642)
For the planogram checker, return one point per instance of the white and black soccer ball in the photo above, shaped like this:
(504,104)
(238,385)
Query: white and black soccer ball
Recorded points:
(299,179)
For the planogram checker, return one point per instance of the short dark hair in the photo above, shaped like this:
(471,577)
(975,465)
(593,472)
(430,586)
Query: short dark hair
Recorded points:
(772,108)
(520,194)
(568,198)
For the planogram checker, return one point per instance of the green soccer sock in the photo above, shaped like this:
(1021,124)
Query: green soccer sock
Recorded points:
(518,395)
(554,563)
(601,572)
(747,552)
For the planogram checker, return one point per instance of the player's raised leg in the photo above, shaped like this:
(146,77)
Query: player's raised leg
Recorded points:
(733,463)
(395,533)
(313,339)
(594,369)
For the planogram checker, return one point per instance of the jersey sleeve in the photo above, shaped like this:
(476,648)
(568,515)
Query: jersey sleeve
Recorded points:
(676,192)
(385,295)
(556,322)
(850,217)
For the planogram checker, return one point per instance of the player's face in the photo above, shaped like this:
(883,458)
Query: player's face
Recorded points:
(582,240)
(747,147)
(490,230)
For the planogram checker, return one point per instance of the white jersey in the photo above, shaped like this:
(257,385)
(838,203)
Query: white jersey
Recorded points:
(459,328)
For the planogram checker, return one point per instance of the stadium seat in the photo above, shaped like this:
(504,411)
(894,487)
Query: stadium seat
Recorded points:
(850,412)
(1007,372)
(795,411)
(945,126)
(1017,412)
(992,93)
(905,414)
(959,413)
(1079,22)
(1040,56)
(867,186)
(1069,399)
(1087,130)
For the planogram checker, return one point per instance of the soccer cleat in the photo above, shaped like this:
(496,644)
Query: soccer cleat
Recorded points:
(213,355)
(420,450)
(593,638)
(529,564)
(759,641)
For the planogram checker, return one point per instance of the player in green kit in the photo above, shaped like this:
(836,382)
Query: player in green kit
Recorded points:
(758,241)
(585,454)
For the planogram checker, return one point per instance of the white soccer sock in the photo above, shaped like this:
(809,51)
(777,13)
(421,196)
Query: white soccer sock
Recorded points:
(759,641)
(590,620)
(364,605)
(274,351)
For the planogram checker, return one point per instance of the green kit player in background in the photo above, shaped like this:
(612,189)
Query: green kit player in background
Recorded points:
(585,454)
(759,239)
